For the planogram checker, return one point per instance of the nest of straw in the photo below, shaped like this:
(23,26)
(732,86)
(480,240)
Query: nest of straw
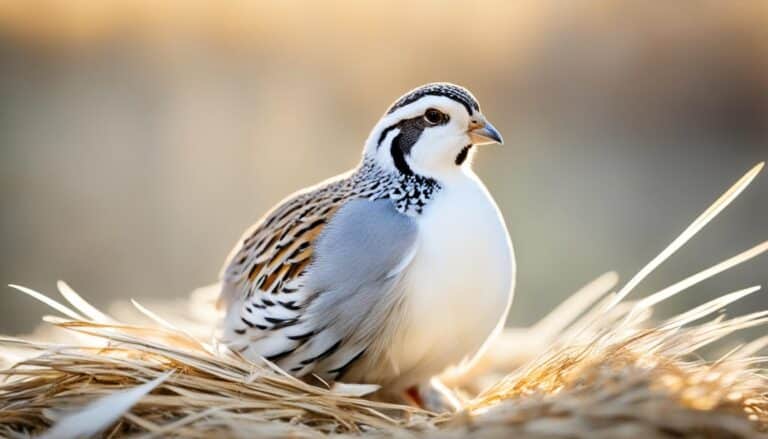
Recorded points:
(597,366)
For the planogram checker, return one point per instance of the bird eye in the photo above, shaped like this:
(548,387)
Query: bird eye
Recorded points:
(433,116)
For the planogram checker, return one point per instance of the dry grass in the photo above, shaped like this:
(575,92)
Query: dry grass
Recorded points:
(596,367)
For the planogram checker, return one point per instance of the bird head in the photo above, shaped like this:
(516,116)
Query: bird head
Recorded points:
(430,131)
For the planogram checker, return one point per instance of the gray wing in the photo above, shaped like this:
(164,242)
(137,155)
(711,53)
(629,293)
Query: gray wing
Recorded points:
(355,277)
(352,291)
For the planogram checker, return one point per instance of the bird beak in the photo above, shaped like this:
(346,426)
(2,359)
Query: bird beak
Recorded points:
(481,132)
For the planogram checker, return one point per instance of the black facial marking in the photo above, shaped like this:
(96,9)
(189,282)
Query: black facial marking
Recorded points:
(450,91)
(398,157)
(462,156)
(384,133)
(410,131)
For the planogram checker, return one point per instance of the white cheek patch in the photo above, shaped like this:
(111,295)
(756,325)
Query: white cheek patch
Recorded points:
(383,149)
(436,149)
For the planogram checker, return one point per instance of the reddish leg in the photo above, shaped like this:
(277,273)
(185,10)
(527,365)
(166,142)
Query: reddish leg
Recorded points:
(414,397)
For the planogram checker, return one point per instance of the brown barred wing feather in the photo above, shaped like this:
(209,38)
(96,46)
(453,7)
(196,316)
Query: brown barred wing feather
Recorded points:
(276,251)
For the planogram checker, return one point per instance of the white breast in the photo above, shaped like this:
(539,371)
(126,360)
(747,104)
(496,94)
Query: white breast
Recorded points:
(459,286)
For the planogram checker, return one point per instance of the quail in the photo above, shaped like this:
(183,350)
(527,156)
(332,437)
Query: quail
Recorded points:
(386,274)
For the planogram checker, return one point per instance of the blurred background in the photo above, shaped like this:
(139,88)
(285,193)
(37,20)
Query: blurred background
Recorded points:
(138,139)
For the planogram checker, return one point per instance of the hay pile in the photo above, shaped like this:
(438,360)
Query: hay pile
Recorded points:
(596,367)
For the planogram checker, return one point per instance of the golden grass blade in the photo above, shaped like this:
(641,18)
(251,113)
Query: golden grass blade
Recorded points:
(708,215)
(48,301)
(120,331)
(671,290)
(752,347)
(170,326)
(154,317)
(706,309)
(4,340)
(709,333)
(81,304)
(351,389)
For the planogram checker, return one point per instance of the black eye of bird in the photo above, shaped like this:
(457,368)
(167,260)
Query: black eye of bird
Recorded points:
(433,117)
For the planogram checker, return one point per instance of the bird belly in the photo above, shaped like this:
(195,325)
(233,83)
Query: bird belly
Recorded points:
(459,286)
